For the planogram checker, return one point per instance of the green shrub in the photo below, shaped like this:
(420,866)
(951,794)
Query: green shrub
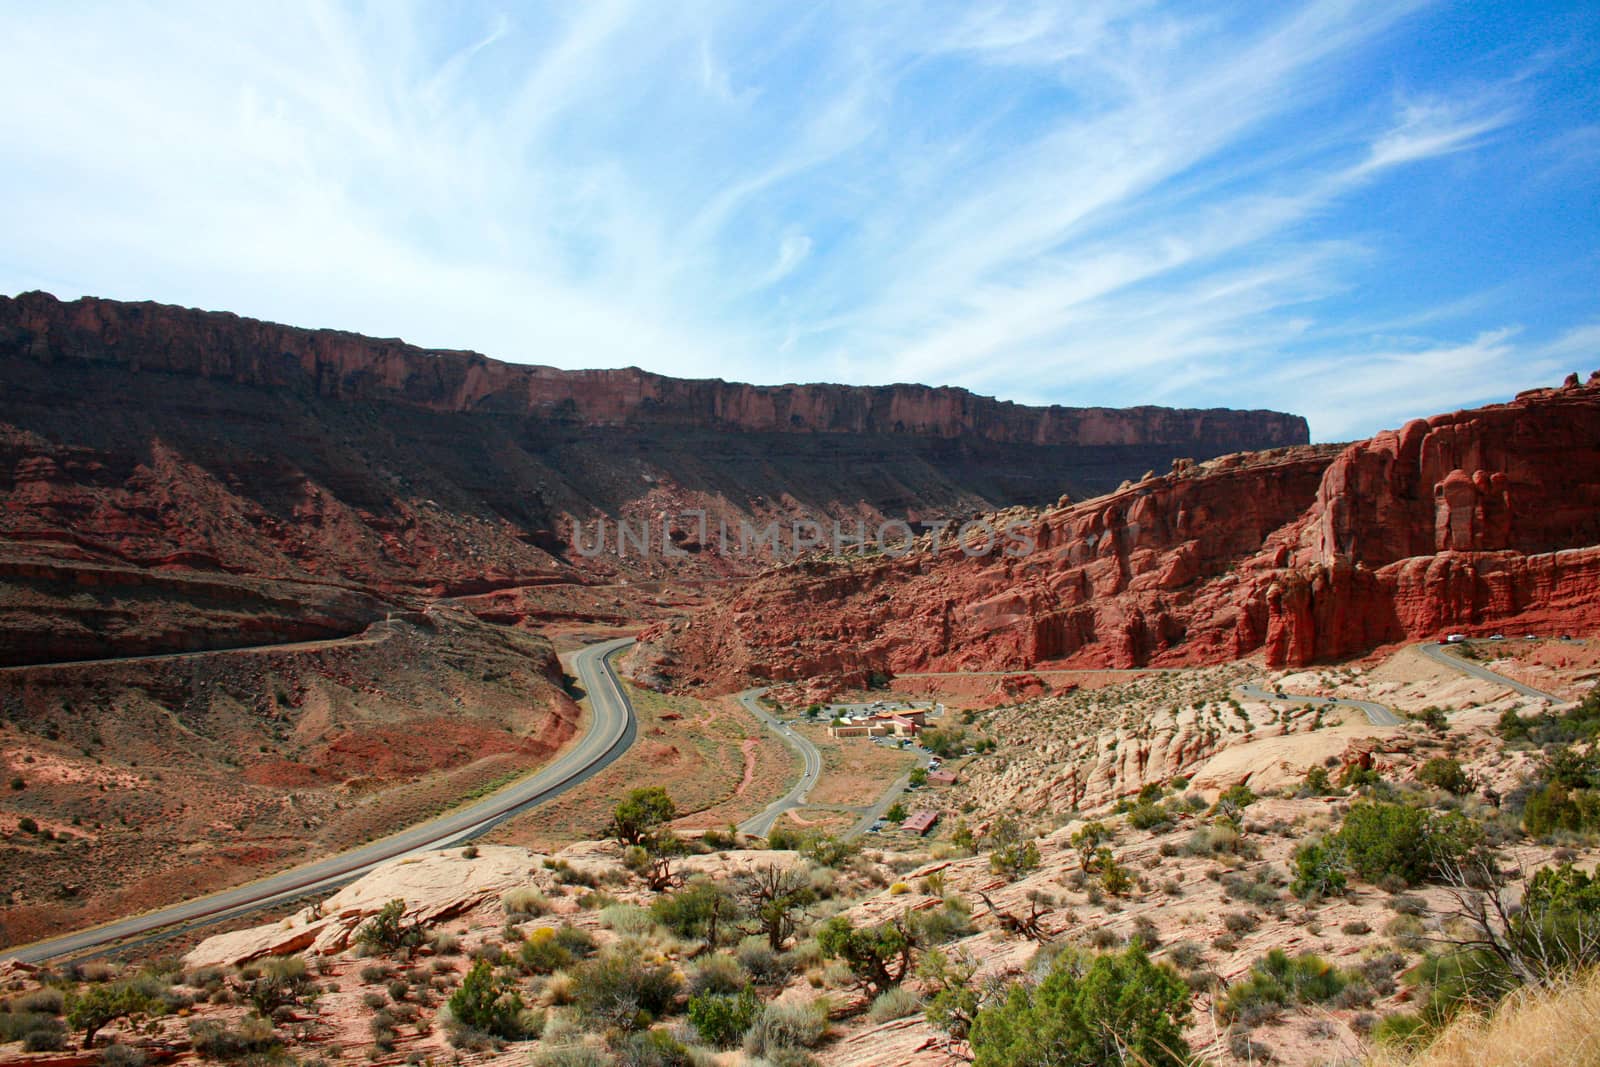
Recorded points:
(46,999)
(1559,922)
(100,1005)
(1317,783)
(1105,1009)
(554,948)
(878,956)
(1441,772)
(17,1025)
(1383,840)
(765,966)
(1012,861)
(702,909)
(1087,839)
(652,1048)
(1278,980)
(120,1055)
(571,1056)
(944,742)
(1149,816)
(718,973)
(1355,776)
(1318,870)
(1401,1030)
(780,1027)
(953,996)
(627,918)
(44,1040)
(896,1003)
(1433,718)
(1237,796)
(1579,723)
(215,1041)
(641,815)
(284,980)
(1114,878)
(524,902)
(619,989)
(947,923)
(1556,807)
(723,1018)
(488,1002)
(387,931)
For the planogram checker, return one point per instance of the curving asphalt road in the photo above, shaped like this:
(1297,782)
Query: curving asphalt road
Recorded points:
(612,730)
(374,634)
(760,825)
(1377,714)
(875,811)
(1436,652)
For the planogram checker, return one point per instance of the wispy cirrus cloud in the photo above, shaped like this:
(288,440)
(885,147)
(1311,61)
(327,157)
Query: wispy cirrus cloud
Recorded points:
(1089,203)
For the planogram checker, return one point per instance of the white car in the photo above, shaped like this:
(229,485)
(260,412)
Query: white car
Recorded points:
(1454,639)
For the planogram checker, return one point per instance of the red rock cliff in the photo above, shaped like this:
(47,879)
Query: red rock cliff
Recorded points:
(138,438)
(148,337)
(1478,519)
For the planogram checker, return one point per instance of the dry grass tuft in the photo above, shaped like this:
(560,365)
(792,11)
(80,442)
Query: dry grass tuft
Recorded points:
(1548,1028)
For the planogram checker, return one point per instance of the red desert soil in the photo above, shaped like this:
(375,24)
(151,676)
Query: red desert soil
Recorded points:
(175,776)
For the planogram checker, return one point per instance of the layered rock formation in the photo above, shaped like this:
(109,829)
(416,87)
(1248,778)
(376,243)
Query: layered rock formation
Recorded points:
(139,438)
(1477,519)
(158,339)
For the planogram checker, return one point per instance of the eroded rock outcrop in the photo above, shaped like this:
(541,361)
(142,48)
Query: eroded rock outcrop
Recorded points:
(1482,518)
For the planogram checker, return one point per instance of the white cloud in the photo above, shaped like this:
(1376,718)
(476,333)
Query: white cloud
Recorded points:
(1435,128)
(1093,203)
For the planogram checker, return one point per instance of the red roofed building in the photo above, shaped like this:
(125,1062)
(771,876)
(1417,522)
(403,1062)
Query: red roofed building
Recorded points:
(921,822)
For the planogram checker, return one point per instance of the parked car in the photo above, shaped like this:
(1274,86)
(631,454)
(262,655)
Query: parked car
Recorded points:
(1454,639)
(1497,637)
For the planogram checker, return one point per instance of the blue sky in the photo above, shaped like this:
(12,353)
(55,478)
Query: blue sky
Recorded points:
(1361,212)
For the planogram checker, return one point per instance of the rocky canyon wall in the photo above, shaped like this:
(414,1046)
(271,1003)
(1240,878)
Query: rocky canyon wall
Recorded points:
(141,440)
(155,338)
(1478,519)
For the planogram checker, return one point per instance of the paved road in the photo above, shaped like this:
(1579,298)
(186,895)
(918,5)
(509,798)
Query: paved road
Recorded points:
(1377,714)
(875,811)
(761,824)
(1437,653)
(374,634)
(612,730)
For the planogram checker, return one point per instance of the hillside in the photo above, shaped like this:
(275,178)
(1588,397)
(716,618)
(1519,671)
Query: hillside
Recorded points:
(1473,520)
(150,452)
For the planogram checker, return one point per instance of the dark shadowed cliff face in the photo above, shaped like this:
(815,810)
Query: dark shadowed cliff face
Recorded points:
(138,437)
(154,338)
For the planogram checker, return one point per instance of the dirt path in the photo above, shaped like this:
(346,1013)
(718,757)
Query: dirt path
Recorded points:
(748,747)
